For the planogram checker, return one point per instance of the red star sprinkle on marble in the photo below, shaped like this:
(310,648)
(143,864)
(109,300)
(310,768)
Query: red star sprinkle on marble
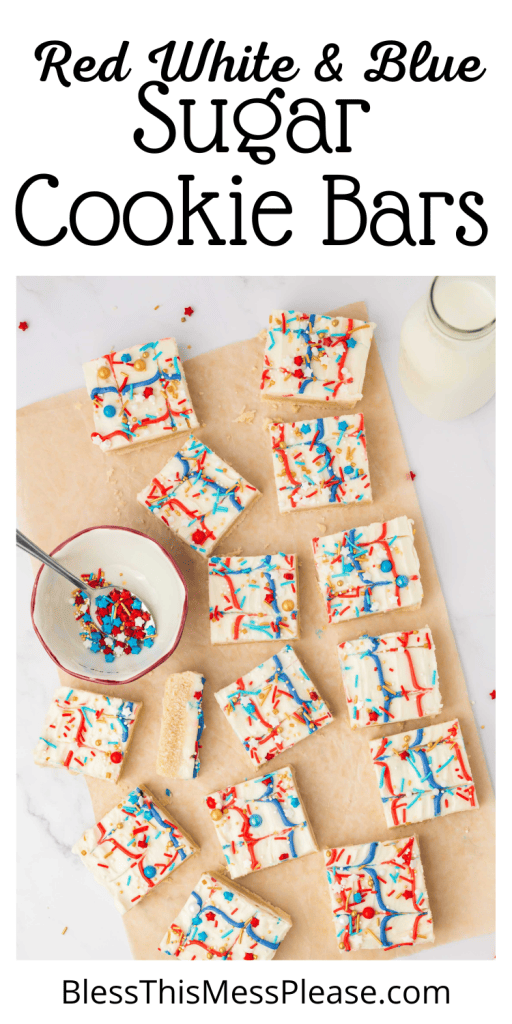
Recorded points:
(188,310)
(492,694)
(412,475)
(23,325)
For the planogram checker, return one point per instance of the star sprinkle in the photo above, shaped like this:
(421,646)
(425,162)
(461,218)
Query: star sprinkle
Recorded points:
(188,310)
(23,325)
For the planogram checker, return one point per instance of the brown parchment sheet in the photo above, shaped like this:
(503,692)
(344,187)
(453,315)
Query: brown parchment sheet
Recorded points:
(66,484)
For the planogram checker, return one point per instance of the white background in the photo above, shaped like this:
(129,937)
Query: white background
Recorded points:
(442,136)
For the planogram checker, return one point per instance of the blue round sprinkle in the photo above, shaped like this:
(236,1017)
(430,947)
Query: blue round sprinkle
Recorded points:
(150,871)
(255,820)
(348,470)
(357,897)
(402,581)
(126,358)
(386,565)
(109,410)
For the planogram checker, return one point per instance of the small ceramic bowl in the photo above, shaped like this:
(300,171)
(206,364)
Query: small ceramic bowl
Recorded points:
(147,570)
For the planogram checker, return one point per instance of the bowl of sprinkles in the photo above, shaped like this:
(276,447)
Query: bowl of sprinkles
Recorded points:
(129,616)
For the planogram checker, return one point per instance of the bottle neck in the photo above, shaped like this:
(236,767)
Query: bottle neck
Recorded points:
(447,329)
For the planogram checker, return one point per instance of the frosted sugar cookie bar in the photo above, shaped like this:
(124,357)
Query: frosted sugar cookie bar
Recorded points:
(139,394)
(181,726)
(315,358)
(253,598)
(225,922)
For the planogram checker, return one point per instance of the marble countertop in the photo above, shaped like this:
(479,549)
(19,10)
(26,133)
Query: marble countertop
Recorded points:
(74,319)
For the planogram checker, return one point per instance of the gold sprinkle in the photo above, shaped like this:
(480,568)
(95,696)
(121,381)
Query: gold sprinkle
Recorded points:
(64,930)
(156,307)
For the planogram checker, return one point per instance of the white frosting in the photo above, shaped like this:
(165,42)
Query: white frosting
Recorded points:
(390,678)
(260,822)
(253,598)
(141,404)
(378,895)
(273,707)
(320,462)
(218,922)
(369,569)
(311,357)
(423,774)
(87,733)
(133,848)
(198,496)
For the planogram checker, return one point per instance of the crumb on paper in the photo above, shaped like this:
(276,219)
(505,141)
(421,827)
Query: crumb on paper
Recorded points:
(265,546)
(262,336)
(267,423)
(245,415)
(64,930)
(321,528)
(78,405)
(233,554)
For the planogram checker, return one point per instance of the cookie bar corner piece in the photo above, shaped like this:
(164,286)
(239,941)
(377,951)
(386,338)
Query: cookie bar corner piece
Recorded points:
(378,895)
(134,847)
(392,677)
(261,822)
(87,733)
(315,358)
(320,462)
(181,726)
(423,774)
(273,707)
(139,394)
(220,921)
(253,598)
(368,569)
(198,496)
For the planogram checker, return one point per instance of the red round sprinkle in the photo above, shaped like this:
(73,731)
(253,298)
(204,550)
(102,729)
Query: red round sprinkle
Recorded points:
(116,756)
(199,536)
(298,373)
(298,360)
(254,922)
(368,913)
(210,802)
(283,856)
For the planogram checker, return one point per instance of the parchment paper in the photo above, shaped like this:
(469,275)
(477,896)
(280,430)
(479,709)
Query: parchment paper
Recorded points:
(67,484)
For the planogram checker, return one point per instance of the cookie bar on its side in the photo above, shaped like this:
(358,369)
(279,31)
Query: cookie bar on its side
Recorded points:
(378,895)
(423,774)
(87,733)
(315,358)
(390,678)
(274,706)
(369,569)
(139,394)
(134,847)
(320,462)
(221,921)
(181,726)
(254,598)
(198,496)
(261,822)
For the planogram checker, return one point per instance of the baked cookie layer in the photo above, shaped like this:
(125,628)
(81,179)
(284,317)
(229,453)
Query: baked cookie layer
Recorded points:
(139,394)
(315,358)
(181,726)
(222,922)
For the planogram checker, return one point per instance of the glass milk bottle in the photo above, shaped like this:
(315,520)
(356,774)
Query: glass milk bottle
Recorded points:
(447,347)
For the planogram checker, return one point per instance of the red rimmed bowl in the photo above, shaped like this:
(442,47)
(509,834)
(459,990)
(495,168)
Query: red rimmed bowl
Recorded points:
(128,558)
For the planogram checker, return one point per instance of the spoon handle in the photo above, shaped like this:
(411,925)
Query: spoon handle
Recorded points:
(31,549)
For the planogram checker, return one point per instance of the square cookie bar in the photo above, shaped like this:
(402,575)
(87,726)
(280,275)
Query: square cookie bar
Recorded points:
(253,598)
(390,678)
(198,496)
(423,775)
(274,706)
(134,848)
(315,358)
(181,726)
(139,394)
(224,922)
(320,462)
(261,822)
(378,895)
(368,570)
(87,733)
